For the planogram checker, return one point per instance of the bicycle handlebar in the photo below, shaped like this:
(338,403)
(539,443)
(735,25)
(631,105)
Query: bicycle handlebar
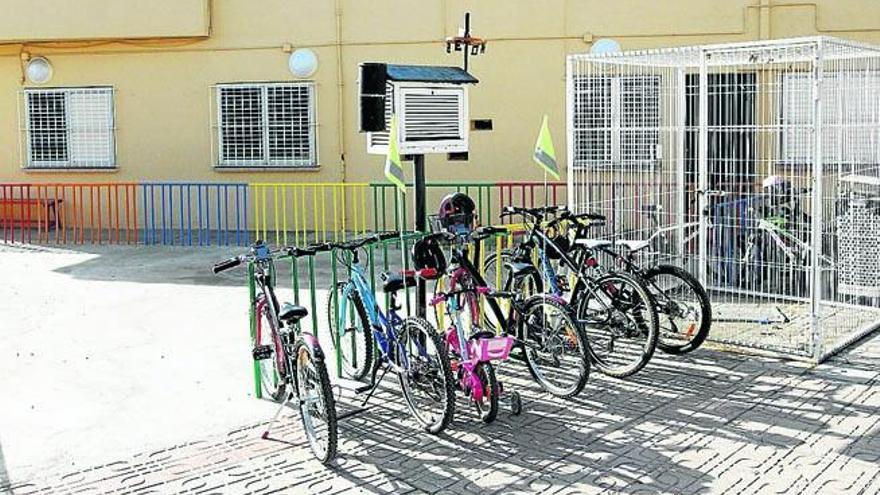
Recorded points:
(226,264)
(538,212)
(354,243)
(296,252)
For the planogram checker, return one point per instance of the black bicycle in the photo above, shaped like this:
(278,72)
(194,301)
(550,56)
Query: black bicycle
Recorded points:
(615,309)
(290,361)
(681,301)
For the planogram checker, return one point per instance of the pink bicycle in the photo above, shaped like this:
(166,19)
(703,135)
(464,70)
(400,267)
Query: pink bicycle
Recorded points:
(472,350)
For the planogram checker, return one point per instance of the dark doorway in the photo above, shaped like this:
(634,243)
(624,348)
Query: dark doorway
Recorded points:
(732,107)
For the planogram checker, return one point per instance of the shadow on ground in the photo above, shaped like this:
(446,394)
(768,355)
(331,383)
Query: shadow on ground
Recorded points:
(183,265)
(707,422)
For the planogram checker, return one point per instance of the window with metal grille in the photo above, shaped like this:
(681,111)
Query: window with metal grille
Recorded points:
(850,117)
(69,128)
(266,125)
(616,120)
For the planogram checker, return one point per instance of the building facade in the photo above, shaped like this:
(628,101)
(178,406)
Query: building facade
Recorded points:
(201,90)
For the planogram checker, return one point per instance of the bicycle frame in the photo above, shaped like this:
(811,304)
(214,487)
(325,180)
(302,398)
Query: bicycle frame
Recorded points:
(383,327)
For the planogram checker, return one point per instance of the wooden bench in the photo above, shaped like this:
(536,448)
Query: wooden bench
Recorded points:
(19,212)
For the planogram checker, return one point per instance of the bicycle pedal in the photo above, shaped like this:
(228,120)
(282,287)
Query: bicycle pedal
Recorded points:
(364,388)
(261,352)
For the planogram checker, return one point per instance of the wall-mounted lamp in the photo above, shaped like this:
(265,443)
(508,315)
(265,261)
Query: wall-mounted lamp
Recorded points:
(38,70)
(303,62)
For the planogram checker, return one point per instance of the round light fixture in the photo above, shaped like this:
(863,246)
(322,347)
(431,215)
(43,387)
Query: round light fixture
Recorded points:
(604,45)
(39,70)
(303,62)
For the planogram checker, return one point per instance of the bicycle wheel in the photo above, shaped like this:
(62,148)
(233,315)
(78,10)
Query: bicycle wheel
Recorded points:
(683,307)
(620,320)
(487,406)
(272,368)
(555,348)
(356,341)
(317,405)
(426,376)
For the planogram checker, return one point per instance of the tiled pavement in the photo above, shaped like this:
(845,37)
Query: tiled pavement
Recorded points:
(712,422)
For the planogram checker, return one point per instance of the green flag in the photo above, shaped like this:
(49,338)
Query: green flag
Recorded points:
(545,155)
(393,168)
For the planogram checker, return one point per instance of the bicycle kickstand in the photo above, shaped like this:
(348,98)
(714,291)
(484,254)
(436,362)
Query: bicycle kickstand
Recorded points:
(265,434)
(374,385)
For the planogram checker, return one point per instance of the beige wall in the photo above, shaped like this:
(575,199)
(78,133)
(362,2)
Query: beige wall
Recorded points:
(163,86)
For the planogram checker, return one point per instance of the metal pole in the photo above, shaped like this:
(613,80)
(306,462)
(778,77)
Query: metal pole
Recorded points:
(703,167)
(421,225)
(467,34)
(816,221)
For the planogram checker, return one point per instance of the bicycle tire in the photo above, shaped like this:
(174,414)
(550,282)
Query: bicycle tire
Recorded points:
(272,373)
(695,339)
(444,390)
(486,373)
(604,332)
(363,339)
(573,333)
(326,404)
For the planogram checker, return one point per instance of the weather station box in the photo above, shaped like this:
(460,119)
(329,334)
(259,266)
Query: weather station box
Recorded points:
(431,104)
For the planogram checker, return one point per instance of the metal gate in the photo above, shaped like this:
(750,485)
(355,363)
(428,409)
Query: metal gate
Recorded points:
(755,166)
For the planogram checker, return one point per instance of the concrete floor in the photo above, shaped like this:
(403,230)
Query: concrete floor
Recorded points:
(127,369)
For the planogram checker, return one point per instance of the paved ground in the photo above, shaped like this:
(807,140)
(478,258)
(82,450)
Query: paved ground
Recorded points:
(159,405)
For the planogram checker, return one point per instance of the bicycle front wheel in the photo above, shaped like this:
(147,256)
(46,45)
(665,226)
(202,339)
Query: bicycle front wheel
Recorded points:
(272,365)
(556,349)
(425,376)
(620,319)
(317,405)
(355,340)
(683,307)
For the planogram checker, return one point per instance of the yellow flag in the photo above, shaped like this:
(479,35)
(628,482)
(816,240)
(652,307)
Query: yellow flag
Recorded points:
(545,155)
(393,167)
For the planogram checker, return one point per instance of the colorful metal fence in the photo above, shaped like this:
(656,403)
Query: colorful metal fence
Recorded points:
(195,214)
(69,213)
(232,213)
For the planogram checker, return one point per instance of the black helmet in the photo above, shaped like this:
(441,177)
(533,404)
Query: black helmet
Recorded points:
(427,253)
(456,213)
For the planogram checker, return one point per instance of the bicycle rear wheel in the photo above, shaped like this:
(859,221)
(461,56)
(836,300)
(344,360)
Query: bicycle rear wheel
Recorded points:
(356,340)
(426,377)
(620,319)
(555,348)
(317,405)
(683,308)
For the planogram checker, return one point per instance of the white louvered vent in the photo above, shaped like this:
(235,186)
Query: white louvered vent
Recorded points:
(432,114)
(433,118)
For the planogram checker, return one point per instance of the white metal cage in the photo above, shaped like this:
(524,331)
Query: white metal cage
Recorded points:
(755,165)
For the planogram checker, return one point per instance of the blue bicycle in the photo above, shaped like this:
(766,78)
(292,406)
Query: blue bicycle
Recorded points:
(409,347)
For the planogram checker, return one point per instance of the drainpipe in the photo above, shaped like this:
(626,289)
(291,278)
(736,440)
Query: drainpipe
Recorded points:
(340,89)
(764,19)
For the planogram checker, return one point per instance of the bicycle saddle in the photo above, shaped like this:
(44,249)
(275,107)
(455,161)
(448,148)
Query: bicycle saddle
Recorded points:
(633,245)
(291,313)
(393,282)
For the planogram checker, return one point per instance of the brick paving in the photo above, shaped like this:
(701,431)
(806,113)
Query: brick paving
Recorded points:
(711,422)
